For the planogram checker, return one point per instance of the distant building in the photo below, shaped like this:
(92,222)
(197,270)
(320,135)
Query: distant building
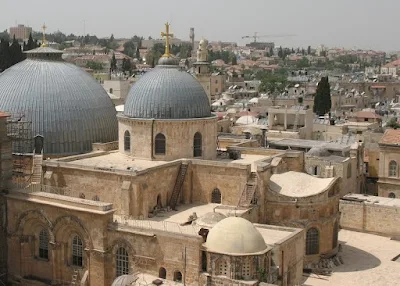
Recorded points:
(20,32)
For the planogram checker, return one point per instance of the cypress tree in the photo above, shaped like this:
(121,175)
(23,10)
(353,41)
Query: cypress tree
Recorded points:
(5,57)
(16,54)
(113,63)
(322,99)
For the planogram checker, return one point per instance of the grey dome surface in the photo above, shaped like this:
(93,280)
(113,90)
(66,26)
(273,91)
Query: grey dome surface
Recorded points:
(318,152)
(167,93)
(65,104)
(210,219)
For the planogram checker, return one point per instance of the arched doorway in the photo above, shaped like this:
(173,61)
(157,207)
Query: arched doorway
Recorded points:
(216,196)
(162,273)
(177,276)
(39,144)
(159,203)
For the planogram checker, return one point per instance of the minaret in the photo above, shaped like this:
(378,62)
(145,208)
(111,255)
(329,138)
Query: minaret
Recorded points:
(202,67)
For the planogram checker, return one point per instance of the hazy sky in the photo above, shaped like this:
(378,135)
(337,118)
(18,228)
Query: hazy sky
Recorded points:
(341,23)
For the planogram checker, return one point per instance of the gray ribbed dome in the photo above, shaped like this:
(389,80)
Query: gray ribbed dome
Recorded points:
(124,280)
(167,93)
(65,104)
(318,151)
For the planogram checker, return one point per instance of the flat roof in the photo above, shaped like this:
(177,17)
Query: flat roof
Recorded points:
(300,143)
(174,221)
(296,184)
(367,261)
(109,160)
(373,200)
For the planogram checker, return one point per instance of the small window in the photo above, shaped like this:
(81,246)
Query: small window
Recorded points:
(349,171)
(312,241)
(77,251)
(122,262)
(127,141)
(197,145)
(160,144)
(111,90)
(223,268)
(216,196)
(177,276)
(44,244)
(82,196)
(96,198)
(246,274)
(393,169)
(392,196)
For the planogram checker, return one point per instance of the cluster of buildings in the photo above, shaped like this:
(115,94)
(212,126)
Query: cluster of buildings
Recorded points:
(143,184)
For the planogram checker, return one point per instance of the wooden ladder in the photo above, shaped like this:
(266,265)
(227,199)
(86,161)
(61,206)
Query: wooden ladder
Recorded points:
(249,191)
(178,186)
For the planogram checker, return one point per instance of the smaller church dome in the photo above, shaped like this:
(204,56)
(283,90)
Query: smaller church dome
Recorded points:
(124,280)
(318,152)
(235,235)
(210,219)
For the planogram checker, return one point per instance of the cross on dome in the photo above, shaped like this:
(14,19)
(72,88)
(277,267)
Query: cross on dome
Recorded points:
(167,34)
(44,36)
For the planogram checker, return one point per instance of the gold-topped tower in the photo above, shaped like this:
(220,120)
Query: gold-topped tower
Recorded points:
(166,34)
(44,44)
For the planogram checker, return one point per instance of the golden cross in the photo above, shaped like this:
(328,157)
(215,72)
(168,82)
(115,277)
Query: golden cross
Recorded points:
(166,35)
(44,35)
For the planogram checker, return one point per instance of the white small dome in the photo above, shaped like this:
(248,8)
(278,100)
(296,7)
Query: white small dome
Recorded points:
(124,280)
(235,235)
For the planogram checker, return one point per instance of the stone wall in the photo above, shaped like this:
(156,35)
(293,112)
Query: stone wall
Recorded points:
(179,136)
(369,217)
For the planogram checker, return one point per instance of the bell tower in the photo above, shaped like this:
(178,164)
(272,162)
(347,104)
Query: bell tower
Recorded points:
(202,67)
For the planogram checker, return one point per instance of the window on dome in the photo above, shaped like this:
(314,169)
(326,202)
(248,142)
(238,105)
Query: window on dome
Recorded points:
(246,270)
(312,241)
(44,244)
(160,144)
(127,141)
(122,262)
(197,145)
(77,251)
(222,268)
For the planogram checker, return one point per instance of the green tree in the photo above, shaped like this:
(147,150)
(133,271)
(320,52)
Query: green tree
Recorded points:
(234,60)
(271,52)
(16,52)
(322,99)
(280,52)
(5,56)
(392,123)
(309,50)
(273,84)
(303,63)
(129,48)
(137,55)
(113,64)
(127,66)
(31,44)
(4,35)
(96,66)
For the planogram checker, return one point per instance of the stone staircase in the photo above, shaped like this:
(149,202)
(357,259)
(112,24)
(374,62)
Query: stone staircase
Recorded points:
(178,185)
(249,191)
(36,178)
(74,280)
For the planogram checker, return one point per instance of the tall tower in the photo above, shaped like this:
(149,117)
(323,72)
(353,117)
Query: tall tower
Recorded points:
(191,37)
(202,67)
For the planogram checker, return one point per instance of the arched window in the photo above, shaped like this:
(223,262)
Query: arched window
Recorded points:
(160,144)
(44,244)
(392,196)
(82,195)
(216,196)
(312,241)
(316,171)
(335,235)
(127,141)
(162,273)
(392,169)
(159,203)
(177,276)
(197,145)
(77,251)
(122,262)
(349,171)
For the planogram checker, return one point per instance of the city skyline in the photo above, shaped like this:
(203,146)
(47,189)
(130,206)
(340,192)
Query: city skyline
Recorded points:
(349,24)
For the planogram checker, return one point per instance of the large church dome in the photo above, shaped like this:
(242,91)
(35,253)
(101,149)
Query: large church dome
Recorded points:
(65,104)
(167,92)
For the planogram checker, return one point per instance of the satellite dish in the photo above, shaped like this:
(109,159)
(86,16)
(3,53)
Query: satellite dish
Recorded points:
(297,85)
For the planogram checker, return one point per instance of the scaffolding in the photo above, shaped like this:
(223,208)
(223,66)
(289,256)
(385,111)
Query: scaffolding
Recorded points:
(19,130)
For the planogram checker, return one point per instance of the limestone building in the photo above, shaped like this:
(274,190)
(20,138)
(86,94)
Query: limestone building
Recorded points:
(202,67)
(389,160)
(163,202)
